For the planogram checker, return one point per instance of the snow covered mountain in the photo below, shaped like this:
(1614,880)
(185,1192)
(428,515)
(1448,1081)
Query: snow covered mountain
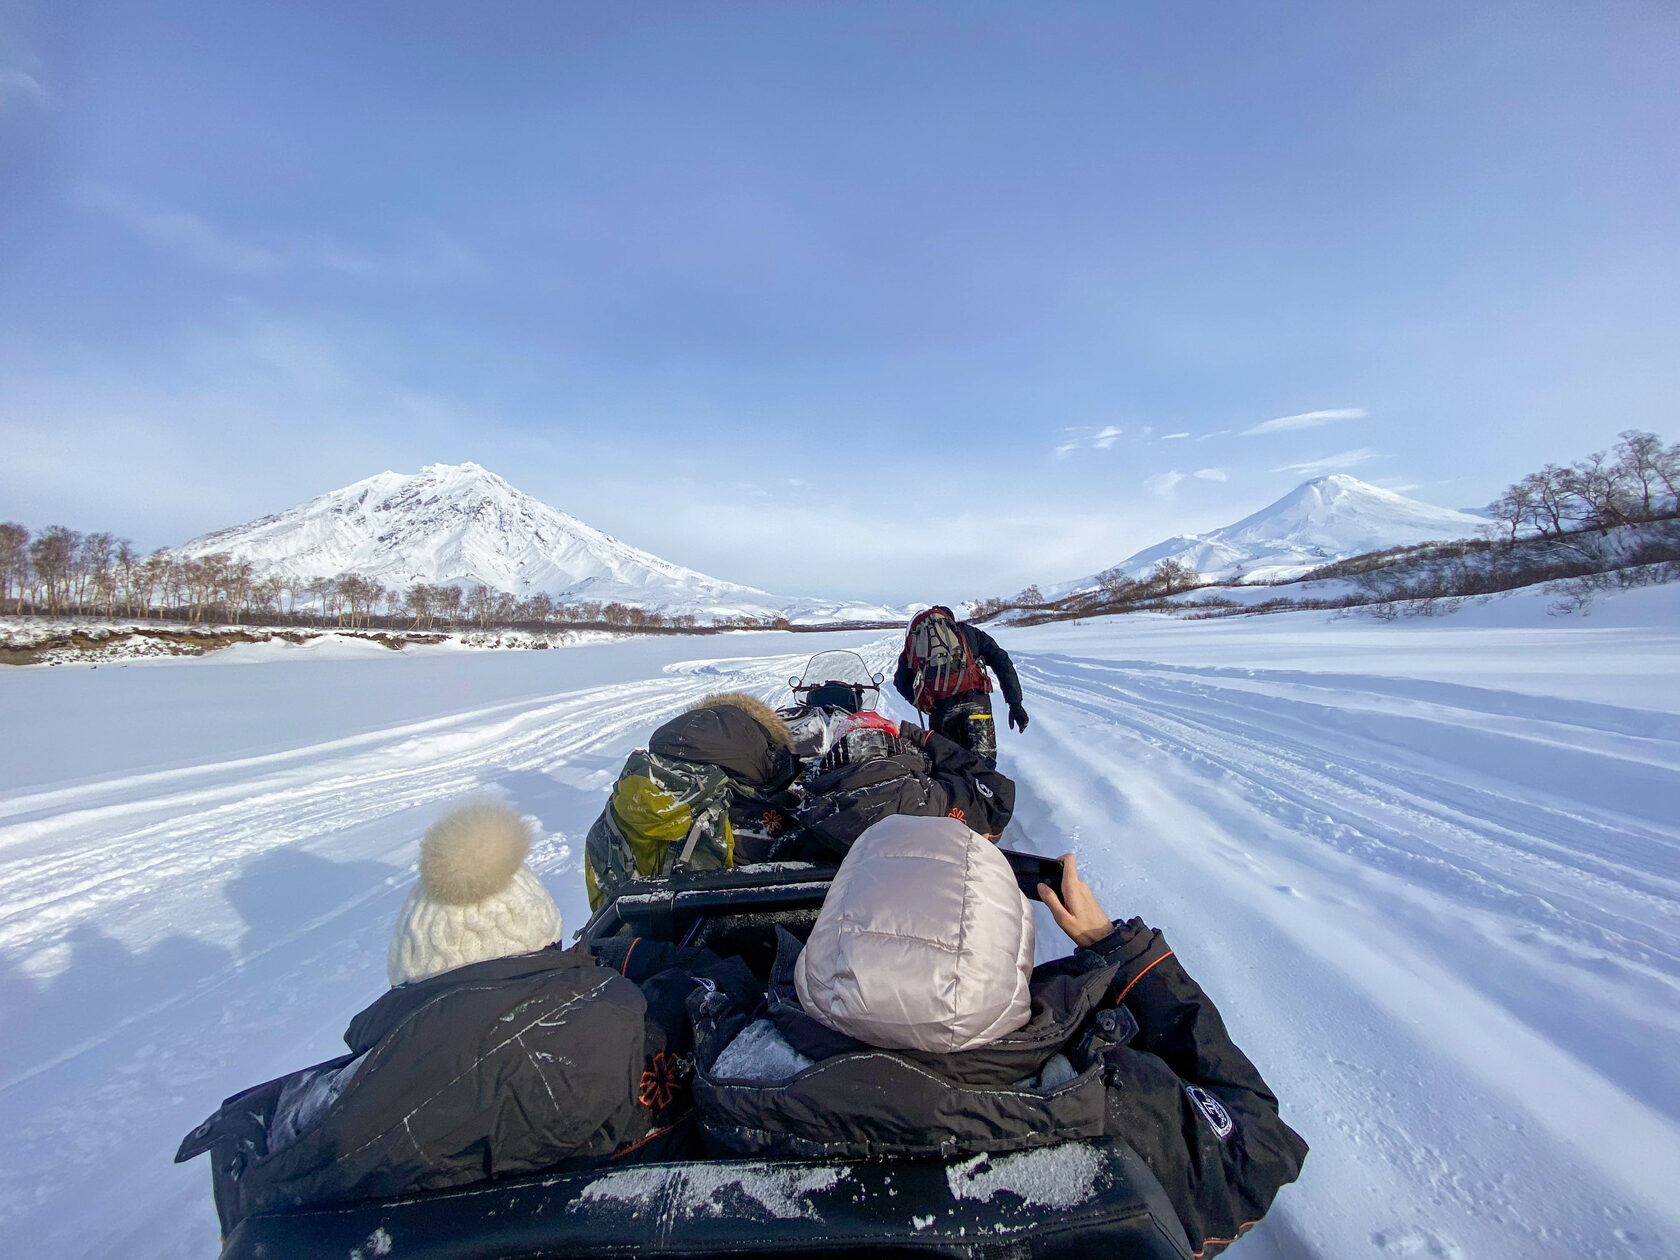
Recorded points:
(459,525)
(1325,519)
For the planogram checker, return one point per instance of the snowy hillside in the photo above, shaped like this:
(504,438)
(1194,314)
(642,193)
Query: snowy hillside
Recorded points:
(1327,518)
(1430,873)
(459,524)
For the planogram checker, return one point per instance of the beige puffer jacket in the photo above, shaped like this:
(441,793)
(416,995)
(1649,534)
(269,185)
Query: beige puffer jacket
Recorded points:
(923,943)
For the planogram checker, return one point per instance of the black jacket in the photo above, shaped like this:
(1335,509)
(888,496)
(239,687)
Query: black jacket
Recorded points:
(1153,1066)
(983,646)
(922,773)
(500,1067)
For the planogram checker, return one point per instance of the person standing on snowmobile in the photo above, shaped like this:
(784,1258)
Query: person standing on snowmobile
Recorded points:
(942,672)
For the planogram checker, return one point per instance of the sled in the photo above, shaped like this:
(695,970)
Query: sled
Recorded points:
(964,1211)
(1070,1200)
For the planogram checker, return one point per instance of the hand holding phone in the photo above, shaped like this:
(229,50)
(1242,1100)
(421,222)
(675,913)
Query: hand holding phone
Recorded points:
(1074,906)
(1031,870)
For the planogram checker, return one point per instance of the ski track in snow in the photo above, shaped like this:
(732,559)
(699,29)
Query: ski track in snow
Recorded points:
(1441,917)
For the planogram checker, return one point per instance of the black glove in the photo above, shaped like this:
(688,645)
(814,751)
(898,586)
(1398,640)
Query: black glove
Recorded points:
(912,733)
(1017,717)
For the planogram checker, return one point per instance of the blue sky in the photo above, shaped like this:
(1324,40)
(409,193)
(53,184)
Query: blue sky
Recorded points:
(893,300)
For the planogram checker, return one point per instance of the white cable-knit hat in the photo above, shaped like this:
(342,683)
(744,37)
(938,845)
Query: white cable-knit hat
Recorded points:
(476,898)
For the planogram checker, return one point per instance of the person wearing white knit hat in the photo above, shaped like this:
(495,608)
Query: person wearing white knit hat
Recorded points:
(476,898)
(495,1052)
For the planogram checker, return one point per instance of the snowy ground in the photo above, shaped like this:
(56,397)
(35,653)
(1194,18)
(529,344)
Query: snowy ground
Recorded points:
(1430,871)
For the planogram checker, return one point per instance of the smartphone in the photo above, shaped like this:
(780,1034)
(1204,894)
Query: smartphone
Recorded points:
(1032,870)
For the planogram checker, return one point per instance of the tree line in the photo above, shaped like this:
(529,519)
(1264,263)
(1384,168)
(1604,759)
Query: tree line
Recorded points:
(1115,590)
(1638,480)
(62,573)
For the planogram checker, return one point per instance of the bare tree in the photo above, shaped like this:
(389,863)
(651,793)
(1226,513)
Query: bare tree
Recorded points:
(1515,507)
(1668,471)
(93,567)
(265,596)
(1172,576)
(175,583)
(14,561)
(149,580)
(52,555)
(422,604)
(1114,580)
(320,591)
(449,602)
(1601,491)
(359,596)
(537,609)
(1550,499)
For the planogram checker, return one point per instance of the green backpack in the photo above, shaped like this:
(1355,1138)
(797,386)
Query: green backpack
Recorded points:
(664,815)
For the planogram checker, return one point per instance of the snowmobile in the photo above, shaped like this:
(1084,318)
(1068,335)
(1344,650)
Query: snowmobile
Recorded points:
(1070,1200)
(834,686)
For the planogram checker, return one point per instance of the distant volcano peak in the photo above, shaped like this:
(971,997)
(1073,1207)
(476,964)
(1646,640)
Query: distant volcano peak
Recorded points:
(462,525)
(1324,519)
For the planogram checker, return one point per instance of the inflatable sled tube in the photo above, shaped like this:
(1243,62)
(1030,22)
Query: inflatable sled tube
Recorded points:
(1077,1199)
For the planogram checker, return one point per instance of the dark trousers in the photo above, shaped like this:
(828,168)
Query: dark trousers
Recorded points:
(967,720)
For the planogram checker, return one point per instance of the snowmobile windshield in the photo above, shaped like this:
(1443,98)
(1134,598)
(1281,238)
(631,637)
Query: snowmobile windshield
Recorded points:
(846,672)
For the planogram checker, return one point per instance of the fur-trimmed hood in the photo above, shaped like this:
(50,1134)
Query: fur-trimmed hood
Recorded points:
(754,708)
(738,734)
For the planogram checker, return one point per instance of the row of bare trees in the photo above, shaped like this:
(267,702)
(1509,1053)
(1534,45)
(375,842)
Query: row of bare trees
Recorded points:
(1639,480)
(60,573)
(1115,590)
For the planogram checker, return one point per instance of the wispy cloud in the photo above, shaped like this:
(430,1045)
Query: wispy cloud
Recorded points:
(1167,437)
(1162,484)
(421,256)
(1087,437)
(1211,474)
(17,87)
(1306,420)
(428,255)
(183,233)
(1331,463)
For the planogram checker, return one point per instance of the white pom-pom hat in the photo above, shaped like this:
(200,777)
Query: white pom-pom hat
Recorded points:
(476,898)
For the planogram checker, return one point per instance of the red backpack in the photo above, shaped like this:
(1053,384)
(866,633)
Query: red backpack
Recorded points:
(941,662)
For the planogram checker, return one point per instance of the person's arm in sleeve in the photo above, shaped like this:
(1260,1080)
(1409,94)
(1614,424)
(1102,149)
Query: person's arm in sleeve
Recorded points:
(1180,1091)
(902,678)
(997,660)
(965,784)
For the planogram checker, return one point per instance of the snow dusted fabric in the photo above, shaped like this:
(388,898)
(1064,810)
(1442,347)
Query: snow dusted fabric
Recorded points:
(923,943)
(759,1053)
(476,898)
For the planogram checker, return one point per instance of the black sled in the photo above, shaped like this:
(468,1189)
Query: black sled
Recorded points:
(1076,1199)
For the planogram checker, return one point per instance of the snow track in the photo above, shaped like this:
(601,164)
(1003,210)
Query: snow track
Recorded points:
(1442,918)
(1436,897)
